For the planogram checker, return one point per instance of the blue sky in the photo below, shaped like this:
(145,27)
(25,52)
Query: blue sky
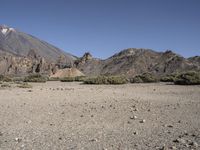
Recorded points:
(104,27)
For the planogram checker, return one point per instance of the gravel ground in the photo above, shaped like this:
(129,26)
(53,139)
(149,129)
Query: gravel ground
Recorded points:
(72,116)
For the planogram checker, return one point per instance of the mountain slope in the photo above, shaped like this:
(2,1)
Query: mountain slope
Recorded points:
(130,62)
(19,43)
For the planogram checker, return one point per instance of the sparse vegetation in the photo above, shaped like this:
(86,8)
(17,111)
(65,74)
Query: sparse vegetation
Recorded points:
(73,79)
(24,85)
(169,78)
(5,78)
(106,80)
(188,78)
(54,79)
(5,85)
(68,79)
(144,78)
(35,78)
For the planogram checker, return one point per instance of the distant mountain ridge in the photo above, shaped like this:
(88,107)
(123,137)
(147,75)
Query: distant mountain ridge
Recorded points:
(132,61)
(22,54)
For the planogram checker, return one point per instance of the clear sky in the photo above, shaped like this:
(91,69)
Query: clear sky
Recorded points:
(104,27)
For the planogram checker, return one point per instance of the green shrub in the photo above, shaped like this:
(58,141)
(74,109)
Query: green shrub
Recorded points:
(18,79)
(80,78)
(144,78)
(5,85)
(106,80)
(24,85)
(5,78)
(169,78)
(68,79)
(73,79)
(35,78)
(54,79)
(1,77)
(188,78)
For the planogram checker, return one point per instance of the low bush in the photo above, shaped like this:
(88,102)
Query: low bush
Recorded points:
(169,78)
(24,85)
(68,79)
(144,78)
(5,85)
(5,78)
(106,80)
(54,79)
(73,79)
(35,78)
(188,78)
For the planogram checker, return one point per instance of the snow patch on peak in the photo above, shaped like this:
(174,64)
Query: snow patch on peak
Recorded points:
(4,31)
(11,29)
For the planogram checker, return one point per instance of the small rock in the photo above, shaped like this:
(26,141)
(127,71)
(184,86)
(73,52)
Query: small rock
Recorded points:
(186,145)
(1,134)
(173,147)
(81,116)
(195,144)
(135,133)
(169,126)
(143,121)
(18,140)
(93,140)
(179,140)
(182,141)
(133,117)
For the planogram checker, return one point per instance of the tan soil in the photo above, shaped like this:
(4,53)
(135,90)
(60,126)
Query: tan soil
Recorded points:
(70,116)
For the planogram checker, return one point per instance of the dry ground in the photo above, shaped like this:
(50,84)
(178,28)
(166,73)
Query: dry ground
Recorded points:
(71,116)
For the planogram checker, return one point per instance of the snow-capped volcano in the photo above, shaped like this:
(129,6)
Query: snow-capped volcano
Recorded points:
(5,30)
(19,43)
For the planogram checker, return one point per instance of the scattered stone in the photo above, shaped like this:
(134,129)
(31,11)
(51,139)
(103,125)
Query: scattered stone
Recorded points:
(92,115)
(30,91)
(135,133)
(195,144)
(187,145)
(93,140)
(143,121)
(1,134)
(133,117)
(81,116)
(18,140)
(182,141)
(173,147)
(169,126)
(163,148)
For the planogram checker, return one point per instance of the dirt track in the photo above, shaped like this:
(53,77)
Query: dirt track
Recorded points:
(72,116)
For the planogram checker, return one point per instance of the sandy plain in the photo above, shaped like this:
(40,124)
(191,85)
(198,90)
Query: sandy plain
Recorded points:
(73,116)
